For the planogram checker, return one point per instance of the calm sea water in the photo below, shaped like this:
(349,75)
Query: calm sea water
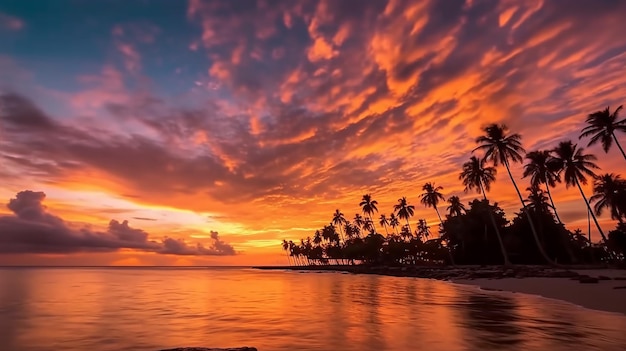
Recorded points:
(153,308)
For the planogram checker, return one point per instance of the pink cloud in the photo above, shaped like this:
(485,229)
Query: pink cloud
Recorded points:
(9,22)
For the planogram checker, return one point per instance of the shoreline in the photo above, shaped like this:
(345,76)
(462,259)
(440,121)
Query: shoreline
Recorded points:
(595,287)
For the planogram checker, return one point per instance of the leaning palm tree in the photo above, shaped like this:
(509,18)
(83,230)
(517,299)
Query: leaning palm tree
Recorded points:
(602,126)
(404,210)
(431,197)
(394,222)
(502,147)
(542,168)
(369,207)
(384,221)
(575,165)
(456,207)
(339,220)
(609,192)
(476,175)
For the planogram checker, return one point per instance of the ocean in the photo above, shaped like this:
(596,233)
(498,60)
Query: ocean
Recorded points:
(150,309)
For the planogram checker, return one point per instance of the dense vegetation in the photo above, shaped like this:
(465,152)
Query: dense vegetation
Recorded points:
(479,232)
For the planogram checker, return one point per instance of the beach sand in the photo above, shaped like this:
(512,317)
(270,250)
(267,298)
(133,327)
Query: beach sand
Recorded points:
(599,296)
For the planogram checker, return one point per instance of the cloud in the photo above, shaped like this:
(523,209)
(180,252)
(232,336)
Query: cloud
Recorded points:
(11,23)
(31,229)
(313,103)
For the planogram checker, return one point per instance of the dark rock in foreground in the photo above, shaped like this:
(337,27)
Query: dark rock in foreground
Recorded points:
(212,349)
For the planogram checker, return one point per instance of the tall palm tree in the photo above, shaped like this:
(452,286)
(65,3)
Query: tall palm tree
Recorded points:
(431,197)
(609,191)
(394,222)
(542,168)
(575,165)
(384,221)
(358,221)
(339,220)
(369,207)
(502,147)
(476,175)
(602,126)
(404,210)
(456,207)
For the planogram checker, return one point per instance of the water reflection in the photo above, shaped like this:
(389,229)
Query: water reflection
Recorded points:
(149,309)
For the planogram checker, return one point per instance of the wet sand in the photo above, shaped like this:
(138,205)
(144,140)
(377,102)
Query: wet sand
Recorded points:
(605,295)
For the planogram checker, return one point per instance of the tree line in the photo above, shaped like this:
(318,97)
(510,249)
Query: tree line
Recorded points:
(480,233)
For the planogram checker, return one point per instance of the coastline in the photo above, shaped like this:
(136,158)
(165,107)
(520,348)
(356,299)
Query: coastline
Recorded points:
(593,287)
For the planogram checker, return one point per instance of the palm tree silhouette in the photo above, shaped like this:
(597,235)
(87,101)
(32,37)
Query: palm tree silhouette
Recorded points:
(369,207)
(574,165)
(431,197)
(476,175)
(602,126)
(384,221)
(404,210)
(286,248)
(501,147)
(358,221)
(394,222)
(542,168)
(456,207)
(609,191)
(423,230)
(339,220)
(537,200)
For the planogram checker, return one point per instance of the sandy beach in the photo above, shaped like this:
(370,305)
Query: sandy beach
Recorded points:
(605,295)
(605,292)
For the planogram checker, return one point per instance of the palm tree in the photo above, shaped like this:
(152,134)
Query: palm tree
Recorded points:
(384,221)
(542,168)
(501,147)
(537,200)
(423,230)
(602,126)
(286,248)
(574,165)
(339,220)
(358,221)
(404,210)
(368,225)
(456,207)
(609,191)
(369,207)
(394,222)
(431,197)
(476,175)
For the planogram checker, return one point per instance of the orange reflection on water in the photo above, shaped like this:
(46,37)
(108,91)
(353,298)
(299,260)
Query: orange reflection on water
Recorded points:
(154,308)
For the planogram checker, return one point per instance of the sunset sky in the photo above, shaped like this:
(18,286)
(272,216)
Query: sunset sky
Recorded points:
(257,119)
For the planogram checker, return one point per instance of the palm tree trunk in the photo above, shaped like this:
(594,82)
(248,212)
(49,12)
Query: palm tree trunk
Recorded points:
(562,235)
(386,231)
(495,226)
(552,201)
(530,221)
(409,225)
(373,224)
(618,145)
(440,220)
(595,220)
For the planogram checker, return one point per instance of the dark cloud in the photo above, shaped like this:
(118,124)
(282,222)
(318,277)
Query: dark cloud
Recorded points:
(33,230)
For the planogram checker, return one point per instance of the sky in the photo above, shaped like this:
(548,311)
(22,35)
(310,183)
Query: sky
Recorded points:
(156,132)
